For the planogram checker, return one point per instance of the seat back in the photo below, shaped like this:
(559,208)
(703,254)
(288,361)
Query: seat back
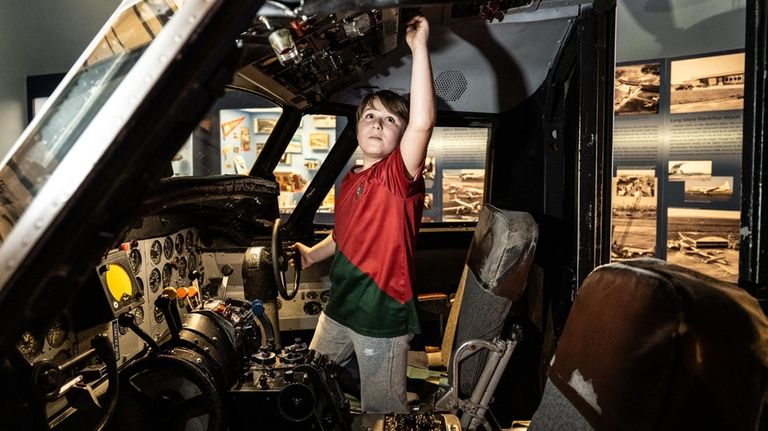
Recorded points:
(652,345)
(495,275)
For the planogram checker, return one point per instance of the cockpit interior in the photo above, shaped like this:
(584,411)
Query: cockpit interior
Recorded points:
(148,278)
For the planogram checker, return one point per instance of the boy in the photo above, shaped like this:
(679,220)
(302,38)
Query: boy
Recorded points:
(371,312)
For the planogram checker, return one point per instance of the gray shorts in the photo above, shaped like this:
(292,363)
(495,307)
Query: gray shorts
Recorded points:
(383,363)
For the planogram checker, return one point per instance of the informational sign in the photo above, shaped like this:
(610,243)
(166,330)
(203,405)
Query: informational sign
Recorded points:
(677,161)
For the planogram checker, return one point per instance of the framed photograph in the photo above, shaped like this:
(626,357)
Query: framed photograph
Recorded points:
(319,141)
(636,89)
(712,83)
(259,147)
(324,121)
(295,146)
(245,139)
(264,125)
(286,159)
(312,164)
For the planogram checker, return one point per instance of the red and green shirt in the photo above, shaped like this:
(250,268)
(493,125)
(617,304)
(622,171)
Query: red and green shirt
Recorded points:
(378,213)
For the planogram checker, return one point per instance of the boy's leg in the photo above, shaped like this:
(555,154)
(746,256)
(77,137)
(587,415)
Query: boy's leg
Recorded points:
(383,363)
(332,340)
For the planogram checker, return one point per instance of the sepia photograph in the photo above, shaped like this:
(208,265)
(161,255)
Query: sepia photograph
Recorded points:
(713,83)
(462,194)
(245,139)
(704,240)
(264,125)
(712,189)
(633,214)
(311,164)
(324,121)
(285,159)
(319,141)
(430,168)
(682,170)
(636,89)
(295,146)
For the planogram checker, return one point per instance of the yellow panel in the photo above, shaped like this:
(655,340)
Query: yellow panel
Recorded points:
(118,282)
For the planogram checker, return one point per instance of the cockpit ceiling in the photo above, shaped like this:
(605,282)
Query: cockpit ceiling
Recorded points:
(491,65)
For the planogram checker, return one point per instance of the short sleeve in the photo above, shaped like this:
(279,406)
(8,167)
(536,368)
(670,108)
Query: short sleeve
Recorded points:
(396,179)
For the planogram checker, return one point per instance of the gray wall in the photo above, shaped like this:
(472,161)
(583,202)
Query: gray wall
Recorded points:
(40,37)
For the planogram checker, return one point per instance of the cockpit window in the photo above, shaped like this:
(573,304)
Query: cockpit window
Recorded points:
(28,170)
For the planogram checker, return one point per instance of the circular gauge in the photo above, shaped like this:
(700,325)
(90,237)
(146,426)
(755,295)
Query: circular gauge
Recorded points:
(155,251)
(182,265)
(140,283)
(159,315)
(123,330)
(138,316)
(58,333)
(29,345)
(192,262)
(134,257)
(325,295)
(168,247)
(167,273)
(190,240)
(154,280)
(179,243)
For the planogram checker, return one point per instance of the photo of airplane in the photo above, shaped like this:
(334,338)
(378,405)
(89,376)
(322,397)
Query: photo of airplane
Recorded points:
(708,189)
(685,169)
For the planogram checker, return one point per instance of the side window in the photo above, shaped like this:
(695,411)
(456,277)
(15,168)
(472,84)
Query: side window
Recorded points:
(228,139)
(303,156)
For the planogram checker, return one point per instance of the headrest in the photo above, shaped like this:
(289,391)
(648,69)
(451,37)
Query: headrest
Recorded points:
(502,250)
(652,344)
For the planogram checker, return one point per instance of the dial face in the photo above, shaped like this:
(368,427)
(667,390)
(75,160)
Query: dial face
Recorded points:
(182,265)
(168,248)
(29,345)
(123,330)
(58,333)
(192,262)
(154,280)
(155,252)
(324,295)
(179,243)
(134,257)
(190,240)
(138,316)
(140,283)
(158,315)
(167,273)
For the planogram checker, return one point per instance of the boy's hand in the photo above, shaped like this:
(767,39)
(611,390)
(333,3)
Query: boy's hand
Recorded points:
(306,257)
(417,32)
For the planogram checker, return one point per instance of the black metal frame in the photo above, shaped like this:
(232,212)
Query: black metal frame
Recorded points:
(753,253)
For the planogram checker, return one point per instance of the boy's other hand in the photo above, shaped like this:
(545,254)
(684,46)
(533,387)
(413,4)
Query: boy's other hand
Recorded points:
(417,32)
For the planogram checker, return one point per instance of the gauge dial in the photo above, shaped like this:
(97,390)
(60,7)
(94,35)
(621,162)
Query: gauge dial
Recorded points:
(179,243)
(159,315)
(138,316)
(155,252)
(154,280)
(182,267)
(192,262)
(325,295)
(134,257)
(29,345)
(140,283)
(123,330)
(168,247)
(190,240)
(58,333)
(167,273)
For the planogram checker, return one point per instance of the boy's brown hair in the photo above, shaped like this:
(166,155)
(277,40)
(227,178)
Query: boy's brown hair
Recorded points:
(392,101)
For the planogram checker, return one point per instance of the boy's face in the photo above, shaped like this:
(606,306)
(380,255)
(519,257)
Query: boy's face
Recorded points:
(379,131)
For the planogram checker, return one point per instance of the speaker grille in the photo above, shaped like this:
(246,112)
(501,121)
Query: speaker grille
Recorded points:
(450,85)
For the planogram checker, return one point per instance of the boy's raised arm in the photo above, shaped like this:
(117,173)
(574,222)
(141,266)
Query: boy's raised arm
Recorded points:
(413,145)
